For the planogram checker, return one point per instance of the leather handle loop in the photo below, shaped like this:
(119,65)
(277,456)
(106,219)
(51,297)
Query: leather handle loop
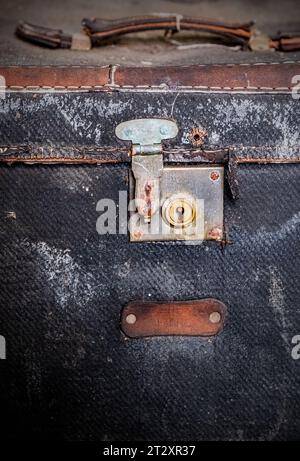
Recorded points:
(101,30)
(97,32)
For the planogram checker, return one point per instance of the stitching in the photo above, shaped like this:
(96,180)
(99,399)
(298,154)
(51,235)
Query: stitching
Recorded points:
(280,157)
(112,85)
(176,149)
(83,150)
(196,65)
(31,160)
(57,67)
(130,87)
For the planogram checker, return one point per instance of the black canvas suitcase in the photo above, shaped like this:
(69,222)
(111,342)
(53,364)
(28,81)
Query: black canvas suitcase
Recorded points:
(187,330)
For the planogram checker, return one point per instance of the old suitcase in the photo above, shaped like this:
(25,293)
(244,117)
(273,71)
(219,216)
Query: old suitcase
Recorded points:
(188,334)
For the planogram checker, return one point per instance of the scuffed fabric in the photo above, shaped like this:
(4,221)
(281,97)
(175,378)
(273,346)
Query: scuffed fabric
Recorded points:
(256,126)
(63,287)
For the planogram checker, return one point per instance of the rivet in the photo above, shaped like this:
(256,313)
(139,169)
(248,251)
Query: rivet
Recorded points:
(131,319)
(214,175)
(128,132)
(215,317)
(163,130)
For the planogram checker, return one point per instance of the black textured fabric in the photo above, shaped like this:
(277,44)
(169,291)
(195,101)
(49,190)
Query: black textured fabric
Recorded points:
(256,125)
(71,375)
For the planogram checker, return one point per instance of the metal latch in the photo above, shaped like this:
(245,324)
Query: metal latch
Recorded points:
(147,160)
(169,203)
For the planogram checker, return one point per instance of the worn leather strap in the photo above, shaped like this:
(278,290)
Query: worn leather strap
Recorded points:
(100,29)
(286,42)
(97,32)
(52,38)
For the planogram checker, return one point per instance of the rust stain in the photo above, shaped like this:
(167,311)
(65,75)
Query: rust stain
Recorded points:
(148,199)
(215,234)
(138,234)
(214,175)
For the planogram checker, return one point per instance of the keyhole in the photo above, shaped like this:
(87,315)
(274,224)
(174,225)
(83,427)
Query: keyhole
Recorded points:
(179,213)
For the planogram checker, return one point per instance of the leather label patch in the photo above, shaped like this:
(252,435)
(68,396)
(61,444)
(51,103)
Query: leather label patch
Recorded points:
(203,317)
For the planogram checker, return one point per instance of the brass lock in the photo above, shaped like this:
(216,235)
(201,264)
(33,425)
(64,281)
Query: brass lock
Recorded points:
(169,203)
(179,210)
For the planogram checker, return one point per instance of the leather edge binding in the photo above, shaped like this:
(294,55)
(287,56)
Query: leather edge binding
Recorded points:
(260,77)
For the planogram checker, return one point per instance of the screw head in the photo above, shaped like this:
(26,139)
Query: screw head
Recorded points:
(128,132)
(131,319)
(163,130)
(215,317)
(214,175)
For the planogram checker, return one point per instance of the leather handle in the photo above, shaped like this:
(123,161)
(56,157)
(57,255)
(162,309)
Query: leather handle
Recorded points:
(51,38)
(101,29)
(286,41)
(98,31)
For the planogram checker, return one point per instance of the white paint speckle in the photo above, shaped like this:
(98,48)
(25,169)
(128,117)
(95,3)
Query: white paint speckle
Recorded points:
(68,281)
(277,302)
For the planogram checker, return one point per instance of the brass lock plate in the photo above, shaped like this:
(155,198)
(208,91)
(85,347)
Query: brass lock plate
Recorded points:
(169,203)
(190,208)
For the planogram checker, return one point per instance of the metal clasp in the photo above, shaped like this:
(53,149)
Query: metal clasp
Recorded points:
(169,202)
(146,136)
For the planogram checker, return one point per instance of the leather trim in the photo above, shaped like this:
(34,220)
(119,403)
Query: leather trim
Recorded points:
(54,77)
(239,78)
(33,154)
(248,78)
